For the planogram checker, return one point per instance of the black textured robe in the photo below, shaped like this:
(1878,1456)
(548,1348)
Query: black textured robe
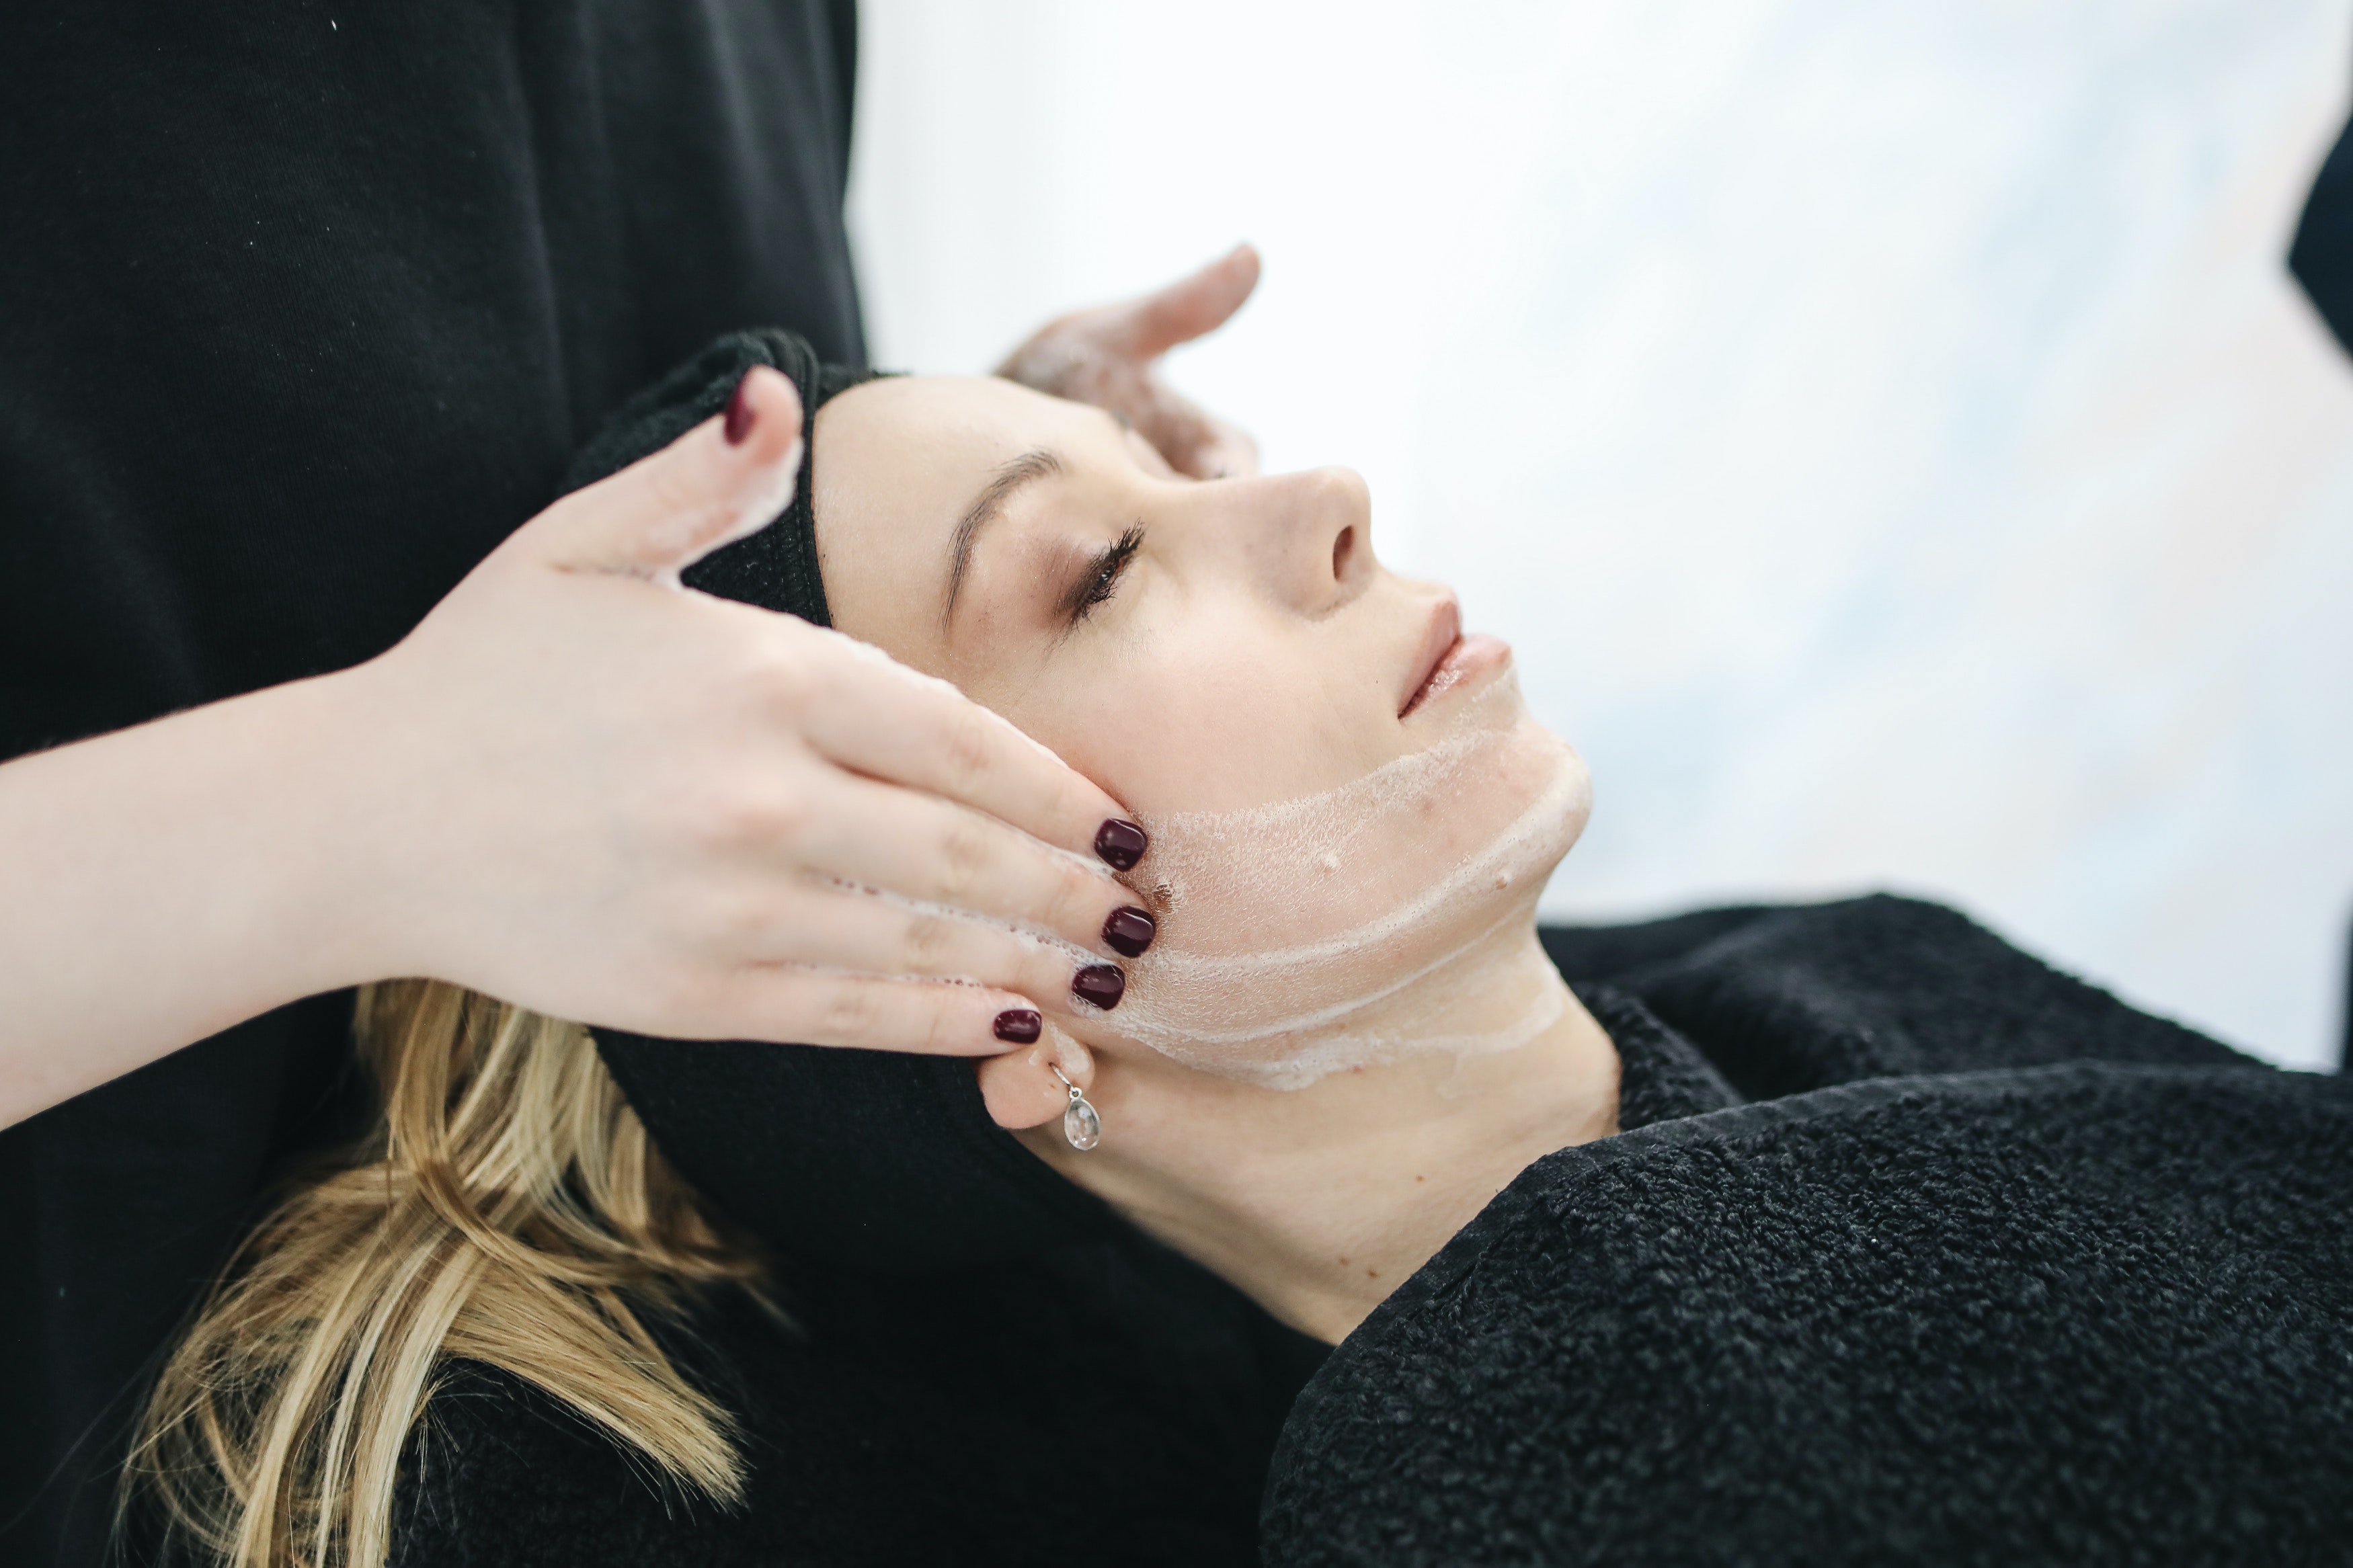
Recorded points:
(1917,1253)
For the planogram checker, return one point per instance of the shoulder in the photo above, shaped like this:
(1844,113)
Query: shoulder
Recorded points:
(1952,1319)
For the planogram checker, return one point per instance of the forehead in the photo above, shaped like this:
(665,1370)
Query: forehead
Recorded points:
(938,436)
(898,462)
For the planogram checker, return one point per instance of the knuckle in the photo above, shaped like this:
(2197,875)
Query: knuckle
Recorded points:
(727,820)
(964,861)
(849,1012)
(927,942)
(700,822)
(970,754)
(784,681)
(1082,902)
(730,923)
(936,1024)
(722,921)
(680,998)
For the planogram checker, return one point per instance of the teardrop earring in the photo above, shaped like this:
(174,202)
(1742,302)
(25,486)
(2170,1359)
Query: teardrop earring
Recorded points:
(1080,1125)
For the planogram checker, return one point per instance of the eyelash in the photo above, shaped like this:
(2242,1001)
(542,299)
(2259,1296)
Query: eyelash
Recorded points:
(1102,581)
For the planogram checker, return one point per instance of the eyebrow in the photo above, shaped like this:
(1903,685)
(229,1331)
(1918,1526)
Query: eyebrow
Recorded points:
(985,508)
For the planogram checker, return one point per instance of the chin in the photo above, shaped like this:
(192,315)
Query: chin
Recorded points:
(1509,755)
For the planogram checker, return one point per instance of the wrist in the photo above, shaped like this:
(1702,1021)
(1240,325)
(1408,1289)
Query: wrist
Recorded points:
(167,881)
(335,845)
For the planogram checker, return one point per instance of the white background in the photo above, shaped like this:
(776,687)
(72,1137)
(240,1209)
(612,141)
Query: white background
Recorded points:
(1885,430)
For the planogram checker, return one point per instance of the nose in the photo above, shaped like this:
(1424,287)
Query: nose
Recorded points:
(1308,536)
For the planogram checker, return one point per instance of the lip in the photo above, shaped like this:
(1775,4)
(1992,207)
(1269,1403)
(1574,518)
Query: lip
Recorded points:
(1451,660)
(1437,639)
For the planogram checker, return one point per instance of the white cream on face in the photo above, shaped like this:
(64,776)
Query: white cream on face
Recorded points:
(1362,924)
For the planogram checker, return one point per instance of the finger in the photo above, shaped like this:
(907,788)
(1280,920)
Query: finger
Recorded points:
(728,477)
(1196,442)
(869,713)
(934,851)
(856,931)
(807,1007)
(1187,309)
(1227,452)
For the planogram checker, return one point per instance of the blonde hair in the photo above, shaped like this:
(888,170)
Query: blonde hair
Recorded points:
(509,1210)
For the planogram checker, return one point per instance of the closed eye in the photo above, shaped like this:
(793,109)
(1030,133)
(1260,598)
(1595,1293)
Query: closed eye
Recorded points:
(1100,581)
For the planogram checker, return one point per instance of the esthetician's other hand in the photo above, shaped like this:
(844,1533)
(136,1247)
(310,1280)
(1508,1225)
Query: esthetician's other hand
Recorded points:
(1110,356)
(578,786)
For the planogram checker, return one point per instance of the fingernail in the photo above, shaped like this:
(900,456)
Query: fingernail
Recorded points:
(1020,1024)
(741,414)
(1101,983)
(1121,844)
(1130,931)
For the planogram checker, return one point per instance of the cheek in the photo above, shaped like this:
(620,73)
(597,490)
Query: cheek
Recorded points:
(1218,711)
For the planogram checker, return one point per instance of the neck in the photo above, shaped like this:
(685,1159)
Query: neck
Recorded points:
(1320,1201)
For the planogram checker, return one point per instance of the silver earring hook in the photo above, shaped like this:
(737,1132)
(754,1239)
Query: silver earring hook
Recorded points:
(1080,1125)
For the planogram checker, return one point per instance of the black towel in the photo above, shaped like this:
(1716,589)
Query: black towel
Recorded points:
(2087,1312)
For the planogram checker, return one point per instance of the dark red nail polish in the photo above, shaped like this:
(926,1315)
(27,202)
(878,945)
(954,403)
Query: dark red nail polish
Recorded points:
(1020,1024)
(1130,931)
(1101,983)
(741,414)
(1121,844)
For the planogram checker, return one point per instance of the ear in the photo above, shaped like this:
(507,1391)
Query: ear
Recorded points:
(1020,1088)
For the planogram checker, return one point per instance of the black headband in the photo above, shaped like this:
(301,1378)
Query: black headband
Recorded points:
(870,1159)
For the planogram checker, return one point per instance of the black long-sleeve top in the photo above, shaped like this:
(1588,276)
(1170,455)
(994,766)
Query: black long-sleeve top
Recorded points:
(303,308)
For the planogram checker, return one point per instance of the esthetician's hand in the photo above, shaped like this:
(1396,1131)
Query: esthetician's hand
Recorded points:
(581,787)
(1110,357)
(641,805)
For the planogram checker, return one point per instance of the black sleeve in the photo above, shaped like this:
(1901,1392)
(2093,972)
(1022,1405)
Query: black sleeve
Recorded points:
(305,307)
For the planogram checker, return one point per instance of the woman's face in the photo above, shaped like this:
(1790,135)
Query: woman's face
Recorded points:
(1191,647)
(1351,810)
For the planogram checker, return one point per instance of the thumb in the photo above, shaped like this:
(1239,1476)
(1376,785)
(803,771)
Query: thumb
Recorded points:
(728,477)
(1189,307)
